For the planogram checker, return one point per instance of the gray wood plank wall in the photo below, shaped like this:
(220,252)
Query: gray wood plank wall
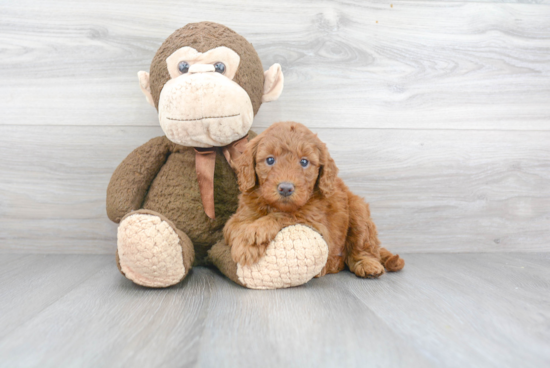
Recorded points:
(438,113)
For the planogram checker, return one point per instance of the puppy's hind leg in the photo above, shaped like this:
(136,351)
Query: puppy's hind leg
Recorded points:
(365,265)
(365,257)
(392,262)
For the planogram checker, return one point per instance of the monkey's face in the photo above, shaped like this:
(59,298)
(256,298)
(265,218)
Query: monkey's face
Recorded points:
(209,98)
(201,105)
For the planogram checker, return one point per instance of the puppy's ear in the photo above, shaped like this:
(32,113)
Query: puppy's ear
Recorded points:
(246,166)
(327,172)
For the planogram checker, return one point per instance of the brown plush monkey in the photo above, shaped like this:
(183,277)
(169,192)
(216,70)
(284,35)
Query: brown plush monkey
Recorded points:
(173,195)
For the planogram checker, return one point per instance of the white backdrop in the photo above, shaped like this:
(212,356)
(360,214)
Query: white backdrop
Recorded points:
(438,113)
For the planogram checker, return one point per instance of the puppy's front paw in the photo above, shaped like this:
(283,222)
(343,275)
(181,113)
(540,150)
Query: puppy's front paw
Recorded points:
(262,231)
(247,254)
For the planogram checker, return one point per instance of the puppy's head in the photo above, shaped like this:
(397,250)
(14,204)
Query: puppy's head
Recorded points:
(286,165)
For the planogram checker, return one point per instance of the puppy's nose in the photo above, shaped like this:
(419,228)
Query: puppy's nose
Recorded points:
(285,189)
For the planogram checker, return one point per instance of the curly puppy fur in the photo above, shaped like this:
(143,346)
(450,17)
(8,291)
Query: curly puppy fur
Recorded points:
(319,199)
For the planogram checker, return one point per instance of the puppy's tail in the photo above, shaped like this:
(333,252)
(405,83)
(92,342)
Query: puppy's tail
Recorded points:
(391,262)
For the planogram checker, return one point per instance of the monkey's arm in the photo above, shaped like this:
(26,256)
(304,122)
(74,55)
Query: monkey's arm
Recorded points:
(132,178)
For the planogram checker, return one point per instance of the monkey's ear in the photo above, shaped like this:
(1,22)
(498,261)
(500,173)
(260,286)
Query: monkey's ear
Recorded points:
(146,87)
(273,83)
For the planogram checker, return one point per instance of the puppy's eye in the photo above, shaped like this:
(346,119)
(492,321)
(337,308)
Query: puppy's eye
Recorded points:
(270,161)
(304,162)
(220,67)
(183,67)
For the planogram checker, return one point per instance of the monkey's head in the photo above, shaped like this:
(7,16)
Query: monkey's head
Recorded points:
(207,83)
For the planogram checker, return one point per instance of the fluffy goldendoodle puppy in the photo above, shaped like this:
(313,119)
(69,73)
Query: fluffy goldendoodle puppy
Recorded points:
(287,177)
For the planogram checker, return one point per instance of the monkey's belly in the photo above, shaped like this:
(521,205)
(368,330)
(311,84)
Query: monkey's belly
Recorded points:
(175,194)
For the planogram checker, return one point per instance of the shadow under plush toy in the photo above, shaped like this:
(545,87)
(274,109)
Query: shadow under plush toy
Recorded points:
(173,195)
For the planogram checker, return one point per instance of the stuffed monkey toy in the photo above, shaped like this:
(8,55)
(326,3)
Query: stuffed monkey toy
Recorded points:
(172,195)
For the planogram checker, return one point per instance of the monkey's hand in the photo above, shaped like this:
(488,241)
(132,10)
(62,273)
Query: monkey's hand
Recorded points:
(131,180)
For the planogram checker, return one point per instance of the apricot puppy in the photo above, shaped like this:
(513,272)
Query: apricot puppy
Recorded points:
(287,177)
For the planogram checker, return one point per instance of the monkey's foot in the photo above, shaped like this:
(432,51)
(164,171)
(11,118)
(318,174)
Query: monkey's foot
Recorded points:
(295,256)
(151,251)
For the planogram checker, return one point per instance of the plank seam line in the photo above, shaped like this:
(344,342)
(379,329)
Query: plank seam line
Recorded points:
(70,290)
(265,127)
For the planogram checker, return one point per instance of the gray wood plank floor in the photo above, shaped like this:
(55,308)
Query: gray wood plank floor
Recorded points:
(443,310)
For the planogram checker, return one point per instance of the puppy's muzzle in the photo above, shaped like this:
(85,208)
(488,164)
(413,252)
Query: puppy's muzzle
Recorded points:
(285,189)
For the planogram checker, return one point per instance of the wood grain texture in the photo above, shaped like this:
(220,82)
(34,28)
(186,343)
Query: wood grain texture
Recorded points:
(497,1)
(447,191)
(464,309)
(442,310)
(318,325)
(31,283)
(106,321)
(437,65)
(436,112)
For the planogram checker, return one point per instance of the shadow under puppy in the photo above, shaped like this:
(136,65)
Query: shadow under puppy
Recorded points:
(287,177)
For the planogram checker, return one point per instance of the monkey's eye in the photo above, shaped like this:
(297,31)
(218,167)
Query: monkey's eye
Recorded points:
(183,67)
(220,67)
(304,163)
(270,161)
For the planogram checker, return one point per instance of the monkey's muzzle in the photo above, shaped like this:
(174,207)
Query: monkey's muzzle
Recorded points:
(204,110)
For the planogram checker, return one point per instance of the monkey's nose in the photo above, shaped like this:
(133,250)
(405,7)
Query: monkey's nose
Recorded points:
(285,189)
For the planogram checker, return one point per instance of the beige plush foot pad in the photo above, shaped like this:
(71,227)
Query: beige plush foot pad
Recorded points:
(149,251)
(295,256)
